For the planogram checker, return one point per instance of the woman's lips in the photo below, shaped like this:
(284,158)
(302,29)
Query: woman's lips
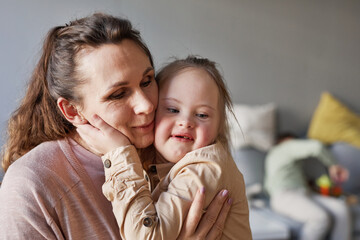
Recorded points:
(145,127)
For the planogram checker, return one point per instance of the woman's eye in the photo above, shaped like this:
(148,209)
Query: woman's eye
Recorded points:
(147,82)
(117,95)
(202,115)
(172,110)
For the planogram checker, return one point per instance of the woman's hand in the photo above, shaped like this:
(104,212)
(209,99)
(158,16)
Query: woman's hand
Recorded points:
(100,136)
(338,174)
(210,225)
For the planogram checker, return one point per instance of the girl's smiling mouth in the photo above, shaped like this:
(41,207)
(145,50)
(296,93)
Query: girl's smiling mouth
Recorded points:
(185,137)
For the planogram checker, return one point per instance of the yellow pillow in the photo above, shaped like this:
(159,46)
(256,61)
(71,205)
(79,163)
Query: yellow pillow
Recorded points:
(334,122)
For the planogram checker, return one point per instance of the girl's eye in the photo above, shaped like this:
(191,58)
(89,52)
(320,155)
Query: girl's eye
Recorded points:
(147,82)
(202,115)
(172,110)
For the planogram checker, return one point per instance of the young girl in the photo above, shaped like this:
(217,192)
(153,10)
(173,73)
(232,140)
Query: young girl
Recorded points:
(191,131)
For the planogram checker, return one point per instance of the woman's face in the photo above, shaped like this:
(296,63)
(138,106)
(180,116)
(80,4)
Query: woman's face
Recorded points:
(120,87)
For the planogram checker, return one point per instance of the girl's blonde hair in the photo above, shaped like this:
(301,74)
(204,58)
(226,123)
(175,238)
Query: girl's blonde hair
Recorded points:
(226,106)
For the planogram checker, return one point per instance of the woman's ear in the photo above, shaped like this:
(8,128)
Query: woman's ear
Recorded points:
(70,111)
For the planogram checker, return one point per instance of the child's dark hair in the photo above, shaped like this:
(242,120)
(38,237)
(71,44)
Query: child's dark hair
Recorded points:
(225,103)
(285,135)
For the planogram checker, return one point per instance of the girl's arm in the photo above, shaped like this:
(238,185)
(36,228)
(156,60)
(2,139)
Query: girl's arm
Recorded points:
(137,215)
(129,193)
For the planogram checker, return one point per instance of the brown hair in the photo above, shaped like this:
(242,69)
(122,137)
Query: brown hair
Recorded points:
(226,106)
(38,119)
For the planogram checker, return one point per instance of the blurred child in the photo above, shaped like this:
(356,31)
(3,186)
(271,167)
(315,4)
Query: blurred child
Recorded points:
(289,194)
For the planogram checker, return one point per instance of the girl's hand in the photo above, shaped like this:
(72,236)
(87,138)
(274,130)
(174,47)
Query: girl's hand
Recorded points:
(210,225)
(338,174)
(100,136)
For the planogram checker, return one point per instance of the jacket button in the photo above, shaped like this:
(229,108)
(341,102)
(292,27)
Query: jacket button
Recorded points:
(148,222)
(107,163)
(153,169)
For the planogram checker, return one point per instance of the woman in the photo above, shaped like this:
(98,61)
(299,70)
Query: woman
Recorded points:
(52,189)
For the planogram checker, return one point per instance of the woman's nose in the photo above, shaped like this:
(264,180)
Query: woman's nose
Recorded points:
(142,103)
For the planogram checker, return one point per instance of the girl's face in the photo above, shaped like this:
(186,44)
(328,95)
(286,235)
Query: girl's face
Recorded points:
(188,114)
(121,89)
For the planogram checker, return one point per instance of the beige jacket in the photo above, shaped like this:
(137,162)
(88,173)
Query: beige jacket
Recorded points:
(142,215)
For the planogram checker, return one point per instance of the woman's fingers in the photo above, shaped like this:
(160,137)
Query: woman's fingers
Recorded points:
(194,215)
(210,222)
(210,225)
(217,229)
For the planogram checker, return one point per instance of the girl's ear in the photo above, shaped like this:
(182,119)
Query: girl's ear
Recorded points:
(70,111)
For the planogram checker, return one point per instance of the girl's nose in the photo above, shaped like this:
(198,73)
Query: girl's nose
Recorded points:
(186,122)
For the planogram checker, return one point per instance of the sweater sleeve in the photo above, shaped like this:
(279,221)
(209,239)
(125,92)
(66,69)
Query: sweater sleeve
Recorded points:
(138,216)
(314,148)
(24,213)
(325,156)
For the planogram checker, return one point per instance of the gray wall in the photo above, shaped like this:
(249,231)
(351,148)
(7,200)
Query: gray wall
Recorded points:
(286,52)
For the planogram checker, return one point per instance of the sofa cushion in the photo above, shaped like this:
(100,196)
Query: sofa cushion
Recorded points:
(257,126)
(332,122)
(355,210)
(263,226)
(250,162)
